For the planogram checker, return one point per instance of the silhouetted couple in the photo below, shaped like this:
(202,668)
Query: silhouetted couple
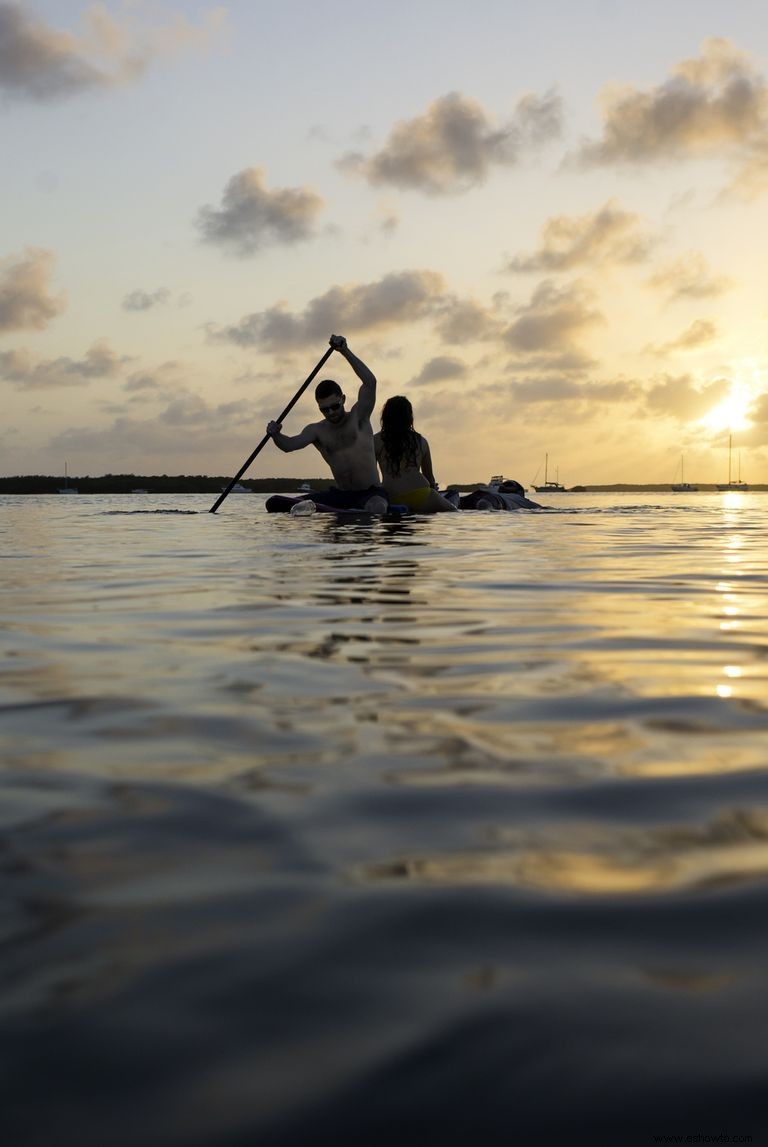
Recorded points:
(346,442)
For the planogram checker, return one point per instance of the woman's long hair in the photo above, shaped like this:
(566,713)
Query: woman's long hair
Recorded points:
(399,439)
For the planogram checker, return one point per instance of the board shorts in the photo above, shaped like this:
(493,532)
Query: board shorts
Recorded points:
(332,498)
(346,499)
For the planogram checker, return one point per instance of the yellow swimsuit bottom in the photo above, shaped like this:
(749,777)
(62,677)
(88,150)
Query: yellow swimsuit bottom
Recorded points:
(415,499)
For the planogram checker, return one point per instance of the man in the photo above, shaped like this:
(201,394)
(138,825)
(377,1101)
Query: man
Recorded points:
(344,438)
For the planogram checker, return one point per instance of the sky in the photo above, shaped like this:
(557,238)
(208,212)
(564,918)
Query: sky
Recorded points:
(543,223)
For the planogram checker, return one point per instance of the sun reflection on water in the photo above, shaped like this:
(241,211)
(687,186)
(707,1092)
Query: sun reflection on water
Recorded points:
(599,860)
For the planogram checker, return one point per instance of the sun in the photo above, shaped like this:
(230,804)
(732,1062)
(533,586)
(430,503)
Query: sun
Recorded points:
(732,413)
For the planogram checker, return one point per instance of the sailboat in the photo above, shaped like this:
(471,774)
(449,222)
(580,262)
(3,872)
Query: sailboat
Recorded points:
(732,483)
(551,486)
(66,488)
(683,487)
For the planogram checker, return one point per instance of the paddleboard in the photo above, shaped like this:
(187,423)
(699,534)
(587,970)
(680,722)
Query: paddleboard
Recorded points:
(282,504)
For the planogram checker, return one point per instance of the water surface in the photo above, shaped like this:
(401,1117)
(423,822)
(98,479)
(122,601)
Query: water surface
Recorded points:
(447,830)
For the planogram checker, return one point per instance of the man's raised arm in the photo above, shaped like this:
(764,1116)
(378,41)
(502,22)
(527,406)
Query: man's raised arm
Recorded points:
(366,396)
(288,442)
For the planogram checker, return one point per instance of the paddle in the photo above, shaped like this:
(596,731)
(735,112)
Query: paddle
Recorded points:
(265,439)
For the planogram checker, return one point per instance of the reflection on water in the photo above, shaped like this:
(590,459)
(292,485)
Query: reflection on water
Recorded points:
(595,862)
(326,829)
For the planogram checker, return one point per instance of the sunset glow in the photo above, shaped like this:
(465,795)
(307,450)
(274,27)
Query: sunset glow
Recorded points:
(732,413)
(551,245)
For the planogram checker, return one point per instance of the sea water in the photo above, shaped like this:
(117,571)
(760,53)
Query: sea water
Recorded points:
(447,830)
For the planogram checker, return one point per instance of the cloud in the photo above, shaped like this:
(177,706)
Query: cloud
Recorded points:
(388,219)
(397,298)
(41,63)
(440,369)
(552,322)
(708,106)
(144,301)
(698,334)
(151,385)
(142,383)
(454,145)
(547,400)
(27,373)
(677,397)
(25,299)
(187,428)
(689,278)
(186,410)
(751,178)
(465,320)
(383,224)
(558,389)
(252,217)
(756,434)
(608,235)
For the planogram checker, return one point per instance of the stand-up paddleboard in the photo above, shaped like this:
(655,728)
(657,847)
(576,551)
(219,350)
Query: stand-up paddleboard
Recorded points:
(283,504)
(479,500)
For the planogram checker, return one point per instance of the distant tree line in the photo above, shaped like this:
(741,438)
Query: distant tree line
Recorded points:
(152,483)
(204,484)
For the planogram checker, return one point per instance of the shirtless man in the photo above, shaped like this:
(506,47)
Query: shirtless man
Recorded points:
(344,439)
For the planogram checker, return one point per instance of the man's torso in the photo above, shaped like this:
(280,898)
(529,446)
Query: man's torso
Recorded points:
(348,450)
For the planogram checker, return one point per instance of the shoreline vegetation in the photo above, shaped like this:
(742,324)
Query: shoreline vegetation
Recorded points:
(203,484)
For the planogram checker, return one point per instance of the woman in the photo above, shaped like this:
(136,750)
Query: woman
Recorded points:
(405,461)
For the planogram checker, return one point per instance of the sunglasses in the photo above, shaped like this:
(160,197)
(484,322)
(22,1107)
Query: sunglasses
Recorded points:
(334,406)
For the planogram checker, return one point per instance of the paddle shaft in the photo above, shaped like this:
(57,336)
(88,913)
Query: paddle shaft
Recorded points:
(266,437)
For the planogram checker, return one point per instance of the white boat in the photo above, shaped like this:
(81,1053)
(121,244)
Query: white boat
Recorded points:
(239,488)
(66,488)
(550,486)
(732,483)
(683,487)
(139,490)
(498,480)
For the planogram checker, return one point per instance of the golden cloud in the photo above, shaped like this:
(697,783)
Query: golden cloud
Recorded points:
(678,397)
(400,297)
(41,63)
(251,216)
(26,302)
(441,368)
(698,334)
(552,322)
(27,373)
(708,106)
(455,143)
(608,235)
(689,277)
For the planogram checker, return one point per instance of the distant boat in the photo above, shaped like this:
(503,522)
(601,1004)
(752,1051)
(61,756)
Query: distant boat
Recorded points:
(550,486)
(139,490)
(66,488)
(239,488)
(683,487)
(498,480)
(304,488)
(732,483)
